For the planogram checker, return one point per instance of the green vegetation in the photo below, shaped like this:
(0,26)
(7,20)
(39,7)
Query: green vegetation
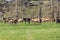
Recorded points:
(33,31)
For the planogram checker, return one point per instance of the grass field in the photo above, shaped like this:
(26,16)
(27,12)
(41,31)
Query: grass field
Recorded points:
(22,31)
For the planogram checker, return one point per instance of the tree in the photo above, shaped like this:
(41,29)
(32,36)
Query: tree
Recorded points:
(57,8)
(40,9)
(52,9)
(1,9)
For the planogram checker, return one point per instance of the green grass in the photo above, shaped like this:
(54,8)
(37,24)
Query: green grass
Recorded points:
(33,31)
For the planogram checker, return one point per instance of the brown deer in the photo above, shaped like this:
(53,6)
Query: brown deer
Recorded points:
(36,20)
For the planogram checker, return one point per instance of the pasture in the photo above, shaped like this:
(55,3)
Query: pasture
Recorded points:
(33,31)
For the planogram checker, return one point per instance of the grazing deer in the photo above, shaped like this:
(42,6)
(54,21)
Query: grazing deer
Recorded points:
(5,20)
(57,20)
(45,19)
(36,20)
(20,20)
(27,20)
(13,21)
